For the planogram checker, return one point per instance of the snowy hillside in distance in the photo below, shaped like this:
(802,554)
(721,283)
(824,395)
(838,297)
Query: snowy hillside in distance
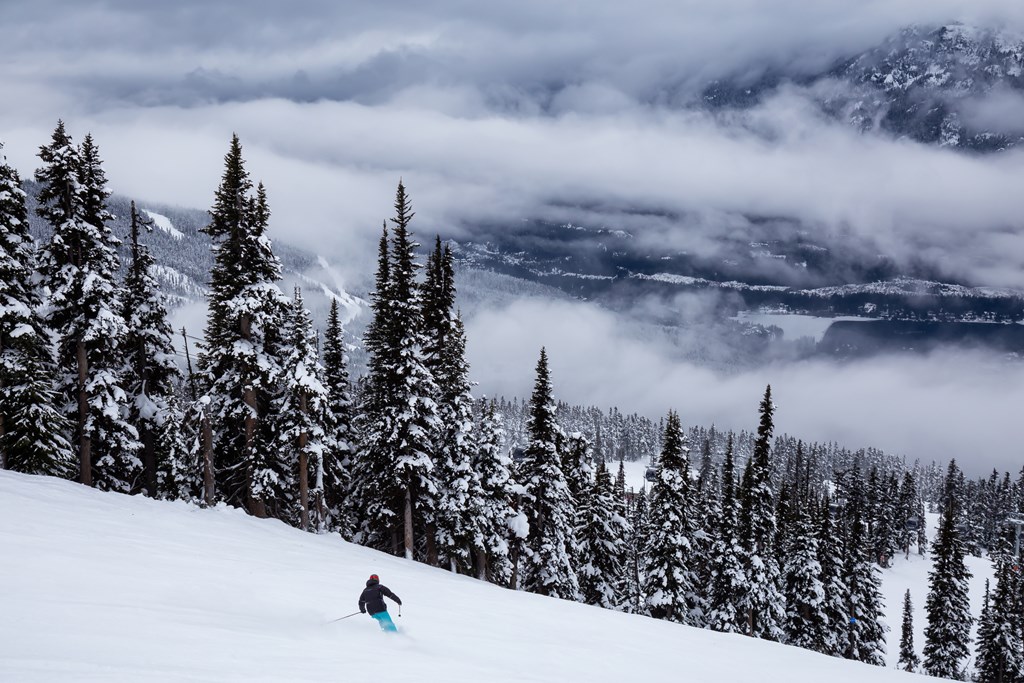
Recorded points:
(106,587)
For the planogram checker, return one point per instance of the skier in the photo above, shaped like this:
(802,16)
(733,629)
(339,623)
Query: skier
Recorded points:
(372,600)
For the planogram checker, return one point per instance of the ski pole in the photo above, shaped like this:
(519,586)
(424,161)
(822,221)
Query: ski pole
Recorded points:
(344,617)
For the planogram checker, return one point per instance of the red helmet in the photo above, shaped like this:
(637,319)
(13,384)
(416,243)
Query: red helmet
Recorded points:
(374,577)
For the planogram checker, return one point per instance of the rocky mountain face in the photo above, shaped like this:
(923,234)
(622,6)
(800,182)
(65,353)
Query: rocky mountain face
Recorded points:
(953,85)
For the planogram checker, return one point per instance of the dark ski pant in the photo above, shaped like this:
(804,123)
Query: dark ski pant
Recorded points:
(384,619)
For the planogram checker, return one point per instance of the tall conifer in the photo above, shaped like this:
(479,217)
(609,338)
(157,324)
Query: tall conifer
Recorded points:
(241,356)
(79,266)
(763,603)
(948,633)
(728,577)
(153,374)
(32,428)
(909,661)
(548,563)
(670,581)
(338,458)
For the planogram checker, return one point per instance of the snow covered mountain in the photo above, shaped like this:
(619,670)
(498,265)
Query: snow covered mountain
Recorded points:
(105,587)
(953,85)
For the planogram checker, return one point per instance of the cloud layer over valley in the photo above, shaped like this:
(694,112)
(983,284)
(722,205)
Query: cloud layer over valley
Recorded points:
(499,113)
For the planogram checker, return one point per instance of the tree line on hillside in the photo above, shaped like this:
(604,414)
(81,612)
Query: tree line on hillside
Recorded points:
(778,543)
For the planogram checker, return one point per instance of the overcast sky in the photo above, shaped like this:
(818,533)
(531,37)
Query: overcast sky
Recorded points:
(500,111)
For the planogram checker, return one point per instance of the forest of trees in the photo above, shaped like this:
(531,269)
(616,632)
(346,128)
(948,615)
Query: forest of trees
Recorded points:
(747,532)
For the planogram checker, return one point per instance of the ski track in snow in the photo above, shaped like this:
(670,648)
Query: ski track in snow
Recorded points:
(106,587)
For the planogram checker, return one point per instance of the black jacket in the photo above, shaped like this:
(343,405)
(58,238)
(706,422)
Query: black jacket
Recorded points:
(372,598)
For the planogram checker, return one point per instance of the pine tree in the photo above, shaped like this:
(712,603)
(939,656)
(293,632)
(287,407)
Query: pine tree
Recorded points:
(395,466)
(241,358)
(670,581)
(548,567)
(909,661)
(152,374)
(806,623)
(459,518)
(31,427)
(907,510)
(948,633)
(179,471)
(728,578)
(1000,655)
(303,419)
(79,266)
(835,591)
(763,603)
(494,468)
(338,457)
(602,542)
(865,633)
(635,563)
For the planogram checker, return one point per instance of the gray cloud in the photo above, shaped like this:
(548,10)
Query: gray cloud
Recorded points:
(938,407)
(999,110)
(571,111)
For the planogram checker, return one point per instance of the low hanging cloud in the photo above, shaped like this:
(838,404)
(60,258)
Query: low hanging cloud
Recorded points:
(507,112)
(578,111)
(937,407)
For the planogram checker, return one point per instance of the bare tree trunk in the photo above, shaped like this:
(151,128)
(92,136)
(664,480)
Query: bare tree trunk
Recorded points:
(148,460)
(513,582)
(257,507)
(303,470)
(408,523)
(482,570)
(208,479)
(84,442)
(3,450)
(432,558)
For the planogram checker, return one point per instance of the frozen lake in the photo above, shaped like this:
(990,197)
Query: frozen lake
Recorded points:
(794,325)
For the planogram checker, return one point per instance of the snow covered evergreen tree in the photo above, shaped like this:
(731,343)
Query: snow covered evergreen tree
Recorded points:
(865,632)
(548,564)
(79,265)
(948,633)
(179,470)
(459,518)
(670,586)
(493,466)
(240,362)
(152,375)
(602,535)
(338,457)
(835,596)
(395,468)
(909,661)
(32,429)
(302,410)
(728,578)
(635,563)
(907,520)
(1000,654)
(763,604)
(806,624)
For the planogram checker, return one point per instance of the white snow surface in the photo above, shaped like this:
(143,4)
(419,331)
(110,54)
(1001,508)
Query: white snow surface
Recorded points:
(105,587)
(164,223)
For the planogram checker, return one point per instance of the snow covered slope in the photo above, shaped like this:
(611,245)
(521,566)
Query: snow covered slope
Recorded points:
(105,587)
